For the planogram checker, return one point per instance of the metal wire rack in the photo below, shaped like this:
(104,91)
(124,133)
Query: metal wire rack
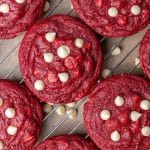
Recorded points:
(124,63)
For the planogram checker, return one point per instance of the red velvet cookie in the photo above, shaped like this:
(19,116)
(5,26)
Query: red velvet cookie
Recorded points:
(117,114)
(18,15)
(66,142)
(20,117)
(145,54)
(60,59)
(114,18)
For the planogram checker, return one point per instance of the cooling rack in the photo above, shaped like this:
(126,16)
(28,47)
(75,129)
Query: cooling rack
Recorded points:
(122,63)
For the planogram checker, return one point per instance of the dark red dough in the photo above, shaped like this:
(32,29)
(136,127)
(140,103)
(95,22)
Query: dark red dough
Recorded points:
(145,54)
(28,118)
(84,63)
(95,14)
(66,142)
(20,17)
(133,89)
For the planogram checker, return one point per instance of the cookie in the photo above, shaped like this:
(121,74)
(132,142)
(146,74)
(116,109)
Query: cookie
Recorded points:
(60,59)
(117,114)
(145,54)
(114,18)
(66,142)
(18,15)
(20,119)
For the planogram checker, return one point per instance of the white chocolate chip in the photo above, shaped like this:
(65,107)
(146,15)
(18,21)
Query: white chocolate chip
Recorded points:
(50,36)
(4,8)
(47,108)
(1,101)
(46,7)
(146,131)
(20,1)
(61,110)
(135,115)
(48,57)
(112,12)
(115,136)
(145,105)
(71,5)
(137,62)
(79,43)
(63,77)
(71,105)
(63,51)
(135,10)
(72,113)
(105,114)
(116,51)
(10,113)
(39,85)
(106,73)
(119,101)
(1,145)
(12,130)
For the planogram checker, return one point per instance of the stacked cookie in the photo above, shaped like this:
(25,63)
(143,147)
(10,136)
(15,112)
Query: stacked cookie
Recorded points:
(18,15)
(122,117)
(20,117)
(114,18)
(67,142)
(60,59)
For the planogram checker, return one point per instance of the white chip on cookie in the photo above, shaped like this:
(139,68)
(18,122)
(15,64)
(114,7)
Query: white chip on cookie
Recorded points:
(12,130)
(145,105)
(134,115)
(4,8)
(50,36)
(112,12)
(115,136)
(79,43)
(105,114)
(20,1)
(146,131)
(63,77)
(10,113)
(135,10)
(63,51)
(119,101)
(48,57)
(39,85)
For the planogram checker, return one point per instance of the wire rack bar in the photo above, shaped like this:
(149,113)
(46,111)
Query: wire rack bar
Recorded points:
(76,127)
(7,56)
(125,57)
(51,11)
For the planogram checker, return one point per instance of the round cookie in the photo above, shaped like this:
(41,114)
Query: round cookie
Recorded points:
(66,142)
(145,54)
(20,119)
(60,59)
(117,114)
(114,18)
(18,15)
